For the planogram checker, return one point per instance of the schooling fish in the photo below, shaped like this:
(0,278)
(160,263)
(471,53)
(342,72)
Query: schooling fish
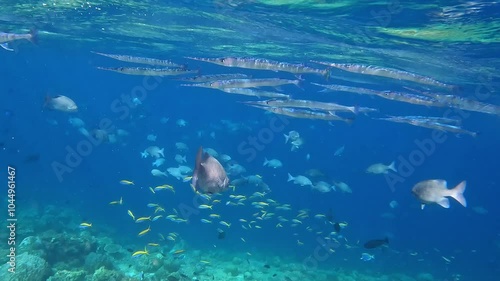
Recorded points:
(209,175)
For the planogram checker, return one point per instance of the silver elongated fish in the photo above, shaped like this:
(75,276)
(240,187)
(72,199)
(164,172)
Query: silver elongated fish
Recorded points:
(435,123)
(5,38)
(213,77)
(245,83)
(263,64)
(141,60)
(396,96)
(304,114)
(149,71)
(464,103)
(208,176)
(388,73)
(254,93)
(326,106)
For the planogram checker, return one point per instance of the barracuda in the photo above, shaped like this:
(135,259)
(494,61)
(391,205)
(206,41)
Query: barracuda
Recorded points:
(388,73)
(263,64)
(149,71)
(141,60)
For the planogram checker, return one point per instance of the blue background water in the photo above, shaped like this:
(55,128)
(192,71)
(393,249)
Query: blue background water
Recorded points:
(59,67)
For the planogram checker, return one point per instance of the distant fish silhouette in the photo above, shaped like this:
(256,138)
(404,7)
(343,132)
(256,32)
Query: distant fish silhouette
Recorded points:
(209,175)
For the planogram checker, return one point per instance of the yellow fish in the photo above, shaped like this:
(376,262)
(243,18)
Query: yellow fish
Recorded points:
(141,219)
(127,182)
(179,252)
(131,214)
(145,231)
(205,207)
(84,225)
(153,244)
(152,190)
(225,223)
(140,253)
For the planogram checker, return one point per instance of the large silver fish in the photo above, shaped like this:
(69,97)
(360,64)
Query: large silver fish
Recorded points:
(436,191)
(209,176)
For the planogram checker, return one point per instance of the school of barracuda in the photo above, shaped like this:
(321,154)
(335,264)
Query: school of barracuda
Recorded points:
(285,104)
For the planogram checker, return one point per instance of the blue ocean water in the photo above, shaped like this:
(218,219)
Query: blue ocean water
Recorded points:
(455,43)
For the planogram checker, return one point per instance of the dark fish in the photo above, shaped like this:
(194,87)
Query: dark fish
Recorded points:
(267,266)
(336,226)
(375,243)
(209,175)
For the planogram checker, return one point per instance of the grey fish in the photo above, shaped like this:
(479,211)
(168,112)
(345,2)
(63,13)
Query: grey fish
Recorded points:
(209,175)
(5,38)
(61,103)
(436,191)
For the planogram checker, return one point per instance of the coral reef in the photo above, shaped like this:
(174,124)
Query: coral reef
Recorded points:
(29,267)
(66,275)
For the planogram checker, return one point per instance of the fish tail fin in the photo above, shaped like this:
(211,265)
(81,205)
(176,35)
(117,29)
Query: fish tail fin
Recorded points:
(356,109)
(290,177)
(265,162)
(46,101)
(34,36)
(299,82)
(392,166)
(458,193)
(286,137)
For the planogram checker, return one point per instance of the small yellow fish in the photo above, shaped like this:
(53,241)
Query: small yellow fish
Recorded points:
(141,219)
(153,244)
(152,190)
(225,223)
(279,225)
(145,231)
(249,254)
(243,239)
(85,225)
(157,217)
(140,253)
(179,252)
(131,214)
(216,201)
(127,182)
(203,206)
(206,221)
(205,262)
(299,243)
(119,202)
(214,216)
